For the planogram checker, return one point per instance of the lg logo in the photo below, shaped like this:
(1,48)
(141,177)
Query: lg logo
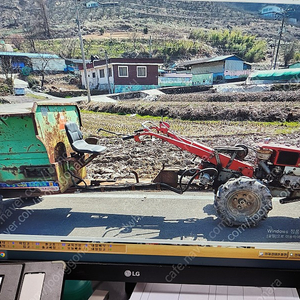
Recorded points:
(129,273)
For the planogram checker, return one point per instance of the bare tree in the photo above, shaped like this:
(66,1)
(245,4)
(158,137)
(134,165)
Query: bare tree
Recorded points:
(17,40)
(44,18)
(6,68)
(44,61)
(30,36)
(289,53)
(87,46)
(68,47)
(39,26)
(42,68)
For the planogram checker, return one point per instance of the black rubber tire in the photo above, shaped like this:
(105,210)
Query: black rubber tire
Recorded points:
(243,201)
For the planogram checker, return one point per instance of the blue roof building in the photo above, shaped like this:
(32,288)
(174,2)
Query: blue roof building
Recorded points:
(223,68)
(29,55)
(38,62)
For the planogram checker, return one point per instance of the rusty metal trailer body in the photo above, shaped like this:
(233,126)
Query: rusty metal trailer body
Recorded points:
(35,153)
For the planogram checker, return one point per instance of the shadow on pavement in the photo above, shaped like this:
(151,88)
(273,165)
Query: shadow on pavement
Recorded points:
(63,221)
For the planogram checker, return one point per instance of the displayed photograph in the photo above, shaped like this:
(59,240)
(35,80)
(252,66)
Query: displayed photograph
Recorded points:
(161,128)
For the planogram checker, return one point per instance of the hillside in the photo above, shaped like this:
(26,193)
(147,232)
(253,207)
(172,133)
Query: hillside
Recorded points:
(175,18)
(163,20)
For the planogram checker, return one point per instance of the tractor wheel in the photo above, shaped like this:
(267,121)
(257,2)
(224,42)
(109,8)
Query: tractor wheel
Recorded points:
(243,201)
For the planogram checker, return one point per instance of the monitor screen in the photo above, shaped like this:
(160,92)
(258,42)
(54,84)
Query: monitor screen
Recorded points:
(188,152)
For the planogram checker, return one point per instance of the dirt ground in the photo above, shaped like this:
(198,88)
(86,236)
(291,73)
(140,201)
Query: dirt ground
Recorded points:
(259,106)
(202,118)
(149,157)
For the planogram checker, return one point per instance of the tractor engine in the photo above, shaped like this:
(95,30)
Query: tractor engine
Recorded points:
(278,166)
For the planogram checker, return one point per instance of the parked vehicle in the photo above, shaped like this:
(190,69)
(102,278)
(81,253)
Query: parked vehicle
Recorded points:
(19,91)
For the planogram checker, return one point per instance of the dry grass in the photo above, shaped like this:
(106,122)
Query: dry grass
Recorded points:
(147,158)
(276,109)
(127,124)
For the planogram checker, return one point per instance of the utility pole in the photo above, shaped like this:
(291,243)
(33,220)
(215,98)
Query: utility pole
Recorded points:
(279,40)
(284,13)
(273,55)
(82,52)
(150,46)
(108,81)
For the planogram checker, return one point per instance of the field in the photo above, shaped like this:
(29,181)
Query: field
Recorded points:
(225,124)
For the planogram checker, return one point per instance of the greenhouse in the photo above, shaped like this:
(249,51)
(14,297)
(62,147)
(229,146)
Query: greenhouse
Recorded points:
(274,76)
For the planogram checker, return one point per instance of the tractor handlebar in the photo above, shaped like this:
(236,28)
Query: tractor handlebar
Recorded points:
(128,137)
(149,128)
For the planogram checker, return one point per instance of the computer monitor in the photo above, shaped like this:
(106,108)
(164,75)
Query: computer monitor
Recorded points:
(158,235)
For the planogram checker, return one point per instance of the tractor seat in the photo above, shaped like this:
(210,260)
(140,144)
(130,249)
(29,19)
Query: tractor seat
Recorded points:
(77,142)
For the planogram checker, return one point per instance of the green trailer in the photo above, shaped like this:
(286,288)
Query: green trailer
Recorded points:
(37,155)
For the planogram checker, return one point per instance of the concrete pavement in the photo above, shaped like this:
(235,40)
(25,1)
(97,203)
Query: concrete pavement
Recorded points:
(155,215)
(25,103)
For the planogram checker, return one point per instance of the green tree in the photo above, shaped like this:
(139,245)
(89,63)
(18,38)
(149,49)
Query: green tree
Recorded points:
(233,41)
(297,56)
